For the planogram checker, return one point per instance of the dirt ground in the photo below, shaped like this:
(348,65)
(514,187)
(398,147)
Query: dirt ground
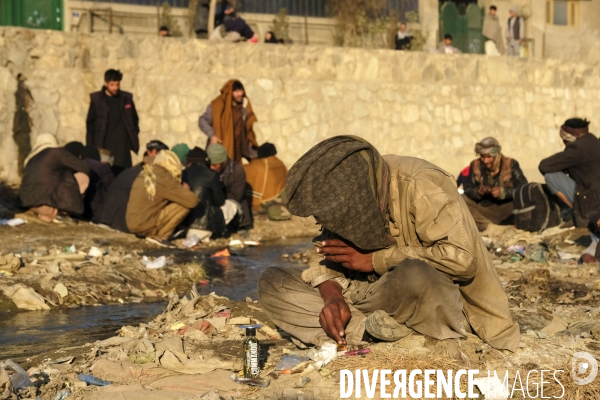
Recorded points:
(195,346)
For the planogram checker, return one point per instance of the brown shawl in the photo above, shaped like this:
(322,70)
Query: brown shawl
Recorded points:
(223,120)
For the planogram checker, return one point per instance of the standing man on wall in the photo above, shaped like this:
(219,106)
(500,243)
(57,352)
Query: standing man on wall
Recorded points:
(494,45)
(229,120)
(515,33)
(112,122)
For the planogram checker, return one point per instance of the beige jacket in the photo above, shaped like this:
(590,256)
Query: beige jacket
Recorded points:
(431,222)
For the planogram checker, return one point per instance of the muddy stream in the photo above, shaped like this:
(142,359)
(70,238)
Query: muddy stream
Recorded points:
(24,334)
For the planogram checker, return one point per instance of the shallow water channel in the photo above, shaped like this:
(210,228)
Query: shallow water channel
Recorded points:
(34,332)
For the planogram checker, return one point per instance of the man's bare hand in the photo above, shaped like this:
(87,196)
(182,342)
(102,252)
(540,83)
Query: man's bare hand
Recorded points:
(496,192)
(483,190)
(335,313)
(350,257)
(215,139)
(186,186)
(587,259)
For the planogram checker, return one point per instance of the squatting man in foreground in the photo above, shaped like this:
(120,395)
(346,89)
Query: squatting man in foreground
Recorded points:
(398,252)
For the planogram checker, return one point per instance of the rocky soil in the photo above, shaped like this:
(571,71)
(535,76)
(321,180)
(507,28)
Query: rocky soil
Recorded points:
(194,347)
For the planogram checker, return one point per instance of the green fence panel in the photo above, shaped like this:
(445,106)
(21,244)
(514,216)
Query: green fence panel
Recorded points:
(39,14)
(475,40)
(452,22)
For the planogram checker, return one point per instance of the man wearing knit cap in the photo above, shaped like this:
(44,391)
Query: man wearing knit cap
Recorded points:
(515,33)
(181,150)
(233,178)
(213,212)
(398,252)
(573,175)
(489,187)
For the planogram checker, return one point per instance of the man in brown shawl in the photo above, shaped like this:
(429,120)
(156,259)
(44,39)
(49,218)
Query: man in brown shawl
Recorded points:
(494,44)
(229,120)
(399,252)
(493,179)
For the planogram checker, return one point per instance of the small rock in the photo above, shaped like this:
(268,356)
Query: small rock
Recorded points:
(248,300)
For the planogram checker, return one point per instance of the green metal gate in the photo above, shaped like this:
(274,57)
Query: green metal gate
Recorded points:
(38,14)
(464,25)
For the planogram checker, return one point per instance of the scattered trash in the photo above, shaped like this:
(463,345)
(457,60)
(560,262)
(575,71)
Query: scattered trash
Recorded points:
(20,378)
(251,243)
(322,355)
(240,321)
(92,380)
(62,394)
(517,249)
(176,326)
(12,262)
(159,262)
(95,252)
(25,297)
(250,381)
(289,361)
(235,243)
(251,352)
(62,360)
(5,273)
(61,290)
(71,249)
(191,241)
(354,352)
(222,253)
(302,381)
(568,256)
(12,222)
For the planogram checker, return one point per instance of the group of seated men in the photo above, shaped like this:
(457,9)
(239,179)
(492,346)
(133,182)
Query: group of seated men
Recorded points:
(201,192)
(571,175)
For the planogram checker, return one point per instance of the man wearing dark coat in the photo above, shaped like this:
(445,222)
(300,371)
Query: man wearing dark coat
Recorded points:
(233,178)
(53,180)
(112,121)
(207,218)
(573,175)
(101,178)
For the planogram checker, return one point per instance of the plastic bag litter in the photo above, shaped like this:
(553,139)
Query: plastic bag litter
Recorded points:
(12,222)
(95,252)
(323,355)
(20,379)
(156,264)
(191,241)
(289,361)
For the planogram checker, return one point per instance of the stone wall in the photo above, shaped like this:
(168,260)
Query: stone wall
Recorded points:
(425,105)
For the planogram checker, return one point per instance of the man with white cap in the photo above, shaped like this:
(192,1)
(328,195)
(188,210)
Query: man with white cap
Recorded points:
(515,33)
